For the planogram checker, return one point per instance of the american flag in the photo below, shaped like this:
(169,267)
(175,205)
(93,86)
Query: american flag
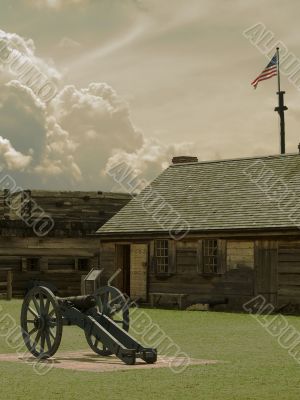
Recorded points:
(268,72)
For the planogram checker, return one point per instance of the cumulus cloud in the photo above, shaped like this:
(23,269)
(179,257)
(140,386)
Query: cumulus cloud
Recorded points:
(24,54)
(71,141)
(150,159)
(12,159)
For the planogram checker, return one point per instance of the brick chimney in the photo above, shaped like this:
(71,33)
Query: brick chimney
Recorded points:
(184,159)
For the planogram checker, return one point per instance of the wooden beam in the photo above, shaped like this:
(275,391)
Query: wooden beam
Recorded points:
(9,284)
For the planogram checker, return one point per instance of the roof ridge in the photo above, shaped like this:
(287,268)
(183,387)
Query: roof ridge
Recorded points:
(215,194)
(235,159)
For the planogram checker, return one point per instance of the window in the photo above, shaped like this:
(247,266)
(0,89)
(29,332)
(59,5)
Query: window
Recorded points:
(210,256)
(162,256)
(83,264)
(33,264)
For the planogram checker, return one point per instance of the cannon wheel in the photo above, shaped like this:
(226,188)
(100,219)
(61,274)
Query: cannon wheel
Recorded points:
(41,322)
(111,302)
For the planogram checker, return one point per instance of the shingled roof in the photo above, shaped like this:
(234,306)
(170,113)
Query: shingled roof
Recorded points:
(236,194)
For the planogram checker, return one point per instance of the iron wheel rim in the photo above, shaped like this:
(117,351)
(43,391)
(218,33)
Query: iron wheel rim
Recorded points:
(41,322)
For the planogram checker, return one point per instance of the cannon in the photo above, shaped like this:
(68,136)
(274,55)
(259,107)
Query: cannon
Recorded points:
(103,316)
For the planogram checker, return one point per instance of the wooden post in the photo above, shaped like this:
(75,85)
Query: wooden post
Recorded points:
(9,284)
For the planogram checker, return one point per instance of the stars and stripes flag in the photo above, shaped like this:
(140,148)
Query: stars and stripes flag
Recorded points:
(267,73)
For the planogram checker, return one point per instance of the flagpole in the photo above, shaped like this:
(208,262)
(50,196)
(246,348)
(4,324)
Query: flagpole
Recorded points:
(278,69)
(281,107)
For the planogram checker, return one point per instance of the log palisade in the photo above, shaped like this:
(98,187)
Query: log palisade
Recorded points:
(68,251)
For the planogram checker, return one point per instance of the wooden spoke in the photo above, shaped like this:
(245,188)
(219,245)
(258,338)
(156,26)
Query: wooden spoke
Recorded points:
(48,341)
(41,303)
(42,306)
(51,334)
(36,305)
(32,312)
(51,313)
(105,303)
(47,306)
(113,304)
(37,338)
(52,323)
(32,331)
(43,342)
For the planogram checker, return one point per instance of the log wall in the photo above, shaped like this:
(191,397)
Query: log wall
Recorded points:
(108,261)
(289,272)
(267,267)
(240,254)
(68,251)
(235,282)
(73,213)
(60,261)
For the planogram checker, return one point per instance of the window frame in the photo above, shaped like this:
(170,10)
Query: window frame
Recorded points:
(161,255)
(210,254)
(217,252)
(33,264)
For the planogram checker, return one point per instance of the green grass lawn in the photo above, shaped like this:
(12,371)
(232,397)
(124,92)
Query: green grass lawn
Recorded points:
(253,365)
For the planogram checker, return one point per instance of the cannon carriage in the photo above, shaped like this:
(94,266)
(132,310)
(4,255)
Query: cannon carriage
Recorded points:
(103,316)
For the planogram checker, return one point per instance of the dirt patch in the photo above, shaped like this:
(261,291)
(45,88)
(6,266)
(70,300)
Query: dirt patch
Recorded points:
(87,361)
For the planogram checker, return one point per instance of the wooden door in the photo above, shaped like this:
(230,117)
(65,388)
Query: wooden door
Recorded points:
(138,271)
(122,281)
(266,270)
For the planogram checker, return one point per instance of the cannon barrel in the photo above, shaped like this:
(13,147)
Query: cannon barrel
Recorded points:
(82,303)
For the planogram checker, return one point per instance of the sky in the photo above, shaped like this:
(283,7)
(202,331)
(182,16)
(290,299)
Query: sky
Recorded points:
(137,82)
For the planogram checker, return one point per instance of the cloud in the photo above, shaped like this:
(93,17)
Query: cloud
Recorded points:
(70,142)
(22,117)
(18,61)
(68,43)
(11,158)
(150,159)
(24,53)
(55,4)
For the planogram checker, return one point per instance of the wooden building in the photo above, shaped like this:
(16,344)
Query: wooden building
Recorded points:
(217,232)
(48,236)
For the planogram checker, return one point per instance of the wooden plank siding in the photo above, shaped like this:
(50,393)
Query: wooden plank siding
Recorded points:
(189,278)
(289,272)
(268,267)
(240,254)
(108,262)
(266,270)
(234,283)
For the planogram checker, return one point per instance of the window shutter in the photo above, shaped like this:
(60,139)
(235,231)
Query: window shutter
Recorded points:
(172,256)
(152,257)
(200,257)
(222,255)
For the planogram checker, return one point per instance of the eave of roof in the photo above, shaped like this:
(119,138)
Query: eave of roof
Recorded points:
(195,189)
